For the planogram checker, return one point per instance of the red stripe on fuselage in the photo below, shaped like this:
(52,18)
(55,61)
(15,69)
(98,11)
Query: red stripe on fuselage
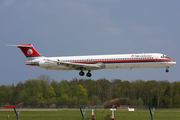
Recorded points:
(128,61)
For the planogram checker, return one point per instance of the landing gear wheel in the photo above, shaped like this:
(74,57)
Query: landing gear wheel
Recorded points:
(81,73)
(88,74)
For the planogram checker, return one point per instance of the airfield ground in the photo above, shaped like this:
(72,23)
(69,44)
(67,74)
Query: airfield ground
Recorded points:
(75,114)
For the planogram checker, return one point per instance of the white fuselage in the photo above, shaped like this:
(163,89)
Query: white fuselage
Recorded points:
(118,61)
(95,62)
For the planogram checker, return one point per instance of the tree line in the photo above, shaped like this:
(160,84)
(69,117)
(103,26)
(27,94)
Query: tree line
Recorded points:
(44,91)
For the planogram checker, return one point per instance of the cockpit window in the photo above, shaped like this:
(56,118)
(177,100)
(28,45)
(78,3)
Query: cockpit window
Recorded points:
(164,56)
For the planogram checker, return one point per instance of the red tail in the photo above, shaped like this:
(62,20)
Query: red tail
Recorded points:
(28,50)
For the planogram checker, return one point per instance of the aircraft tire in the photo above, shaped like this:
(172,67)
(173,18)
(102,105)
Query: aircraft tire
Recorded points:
(81,73)
(88,74)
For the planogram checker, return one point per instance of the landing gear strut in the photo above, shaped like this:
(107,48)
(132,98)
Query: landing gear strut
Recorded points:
(167,69)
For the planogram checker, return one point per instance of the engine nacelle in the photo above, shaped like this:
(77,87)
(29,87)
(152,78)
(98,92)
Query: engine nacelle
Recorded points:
(44,63)
(47,63)
(41,63)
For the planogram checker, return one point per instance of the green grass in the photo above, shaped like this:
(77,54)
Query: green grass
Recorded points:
(75,114)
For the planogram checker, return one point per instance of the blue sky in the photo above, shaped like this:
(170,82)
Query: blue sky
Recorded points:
(88,27)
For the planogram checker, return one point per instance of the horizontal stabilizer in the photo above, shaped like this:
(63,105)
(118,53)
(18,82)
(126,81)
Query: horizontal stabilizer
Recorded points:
(24,45)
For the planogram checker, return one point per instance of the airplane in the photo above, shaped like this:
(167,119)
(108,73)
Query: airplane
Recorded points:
(95,62)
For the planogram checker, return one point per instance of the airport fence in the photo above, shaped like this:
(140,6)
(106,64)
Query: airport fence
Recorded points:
(69,106)
(54,106)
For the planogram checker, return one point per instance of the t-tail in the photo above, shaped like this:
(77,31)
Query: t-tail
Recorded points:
(29,51)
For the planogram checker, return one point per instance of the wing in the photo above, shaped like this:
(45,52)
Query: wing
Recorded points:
(78,66)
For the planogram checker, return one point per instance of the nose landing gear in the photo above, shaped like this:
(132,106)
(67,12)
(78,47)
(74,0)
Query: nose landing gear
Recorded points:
(167,70)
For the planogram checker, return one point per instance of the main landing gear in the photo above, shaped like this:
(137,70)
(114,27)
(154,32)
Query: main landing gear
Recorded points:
(167,70)
(81,73)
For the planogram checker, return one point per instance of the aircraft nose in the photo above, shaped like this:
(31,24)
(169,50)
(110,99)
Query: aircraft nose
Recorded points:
(174,62)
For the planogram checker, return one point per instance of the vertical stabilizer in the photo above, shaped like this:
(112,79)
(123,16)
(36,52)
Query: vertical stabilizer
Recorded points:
(28,50)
